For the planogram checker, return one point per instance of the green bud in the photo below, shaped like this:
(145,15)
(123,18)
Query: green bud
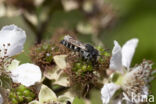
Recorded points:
(78,65)
(89,68)
(14,101)
(20,98)
(84,67)
(32,94)
(26,93)
(21,88)
(29,99)
(12,95)
(19,93)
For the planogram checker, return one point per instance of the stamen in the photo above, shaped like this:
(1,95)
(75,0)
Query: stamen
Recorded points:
(8,44)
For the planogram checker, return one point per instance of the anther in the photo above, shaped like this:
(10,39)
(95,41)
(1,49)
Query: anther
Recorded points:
(8,44)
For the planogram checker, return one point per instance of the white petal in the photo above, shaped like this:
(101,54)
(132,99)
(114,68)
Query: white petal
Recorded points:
(1,99)
(116,101)
(128,50)
(108,91)
(115,61)
(26,74)
(14,64)
(14,36)
(145,91)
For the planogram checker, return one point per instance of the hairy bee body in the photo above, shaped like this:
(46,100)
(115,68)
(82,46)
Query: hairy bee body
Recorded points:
(86,51)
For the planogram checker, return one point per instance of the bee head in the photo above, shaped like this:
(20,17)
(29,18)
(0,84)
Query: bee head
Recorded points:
(89,47)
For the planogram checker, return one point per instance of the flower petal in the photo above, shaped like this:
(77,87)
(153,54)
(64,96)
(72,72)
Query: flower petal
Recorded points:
(14,64)
(60,61)
(1,99)
(34,102)
(62,80)
(108,91)
(12,39)
(26,74)
(67,96)
(115,61)
(128,50)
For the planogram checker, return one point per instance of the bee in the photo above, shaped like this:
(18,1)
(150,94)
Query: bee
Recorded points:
(86,51)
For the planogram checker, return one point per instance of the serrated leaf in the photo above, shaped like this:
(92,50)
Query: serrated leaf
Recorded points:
(46,95)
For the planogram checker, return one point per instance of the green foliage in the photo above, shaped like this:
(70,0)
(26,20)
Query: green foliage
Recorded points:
(103,53)
(21,94)
(82,67)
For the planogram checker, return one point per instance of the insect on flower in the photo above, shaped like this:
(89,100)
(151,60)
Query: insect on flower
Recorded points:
(86,51)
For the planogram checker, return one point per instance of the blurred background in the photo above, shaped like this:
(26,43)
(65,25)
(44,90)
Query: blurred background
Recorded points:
(98,22)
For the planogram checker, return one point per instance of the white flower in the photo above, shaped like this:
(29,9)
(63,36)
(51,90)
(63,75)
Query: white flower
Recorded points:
(26,74)
(12,39)
(122,57)
(1,99)
(108,91)
(130,80)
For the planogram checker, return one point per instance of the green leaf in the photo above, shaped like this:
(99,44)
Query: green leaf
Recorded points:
(78,101)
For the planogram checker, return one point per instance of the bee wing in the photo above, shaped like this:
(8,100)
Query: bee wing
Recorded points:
(75,42)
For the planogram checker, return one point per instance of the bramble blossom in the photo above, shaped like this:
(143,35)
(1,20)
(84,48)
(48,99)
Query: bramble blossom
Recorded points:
(130,80)
(12,39)
(26,74)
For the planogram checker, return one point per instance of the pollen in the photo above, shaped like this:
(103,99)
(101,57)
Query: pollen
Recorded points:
(136,81)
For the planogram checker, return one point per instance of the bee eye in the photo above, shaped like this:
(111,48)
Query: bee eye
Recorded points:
(72,46)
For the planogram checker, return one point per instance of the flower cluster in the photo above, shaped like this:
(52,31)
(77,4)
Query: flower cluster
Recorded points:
(11,43)
(60,72)
(132,81)
(21,94)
